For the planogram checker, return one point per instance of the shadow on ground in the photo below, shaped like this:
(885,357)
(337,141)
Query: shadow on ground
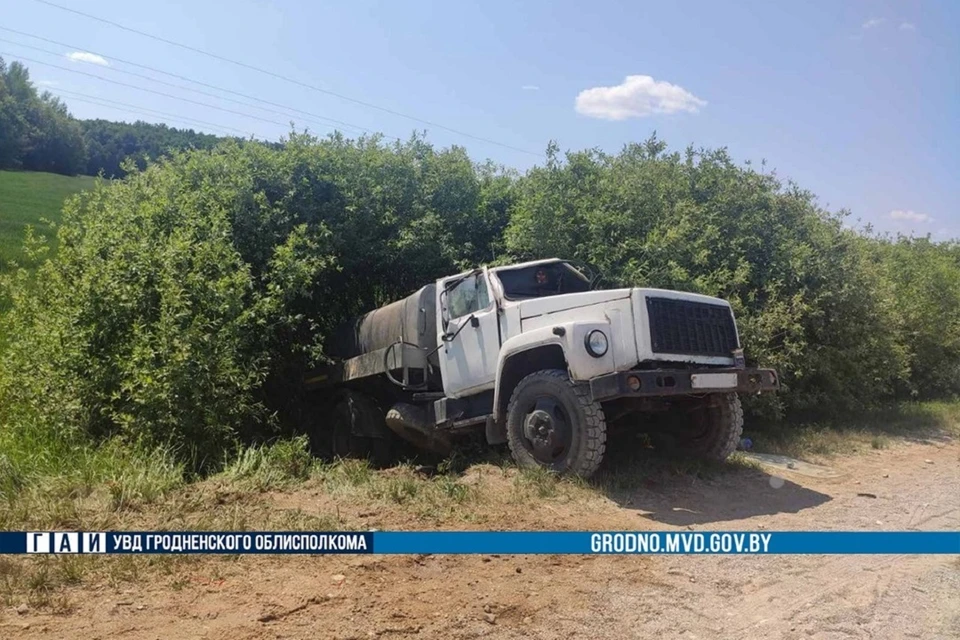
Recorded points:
(682,492)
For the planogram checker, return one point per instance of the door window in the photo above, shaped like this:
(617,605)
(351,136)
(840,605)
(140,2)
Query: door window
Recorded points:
(468,296)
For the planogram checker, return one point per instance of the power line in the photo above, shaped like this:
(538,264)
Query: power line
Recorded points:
(169,84)
(283,77)
(133,86)
(173,119)
(187,79)
(133,108)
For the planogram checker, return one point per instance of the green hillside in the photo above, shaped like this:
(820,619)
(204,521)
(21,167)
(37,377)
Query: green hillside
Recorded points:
(25,198)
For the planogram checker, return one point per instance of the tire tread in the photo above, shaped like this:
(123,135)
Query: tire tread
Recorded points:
(593,445)
(726,427)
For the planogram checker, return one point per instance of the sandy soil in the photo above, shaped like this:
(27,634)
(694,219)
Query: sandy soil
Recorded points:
(911,486)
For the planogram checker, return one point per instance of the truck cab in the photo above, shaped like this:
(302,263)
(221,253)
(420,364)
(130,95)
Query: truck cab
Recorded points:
(535,356)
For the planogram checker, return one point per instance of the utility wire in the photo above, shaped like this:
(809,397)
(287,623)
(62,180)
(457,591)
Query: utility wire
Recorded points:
(133,108)
(284,78)
(188,79)
(140,114)
(133,86)
(170,84)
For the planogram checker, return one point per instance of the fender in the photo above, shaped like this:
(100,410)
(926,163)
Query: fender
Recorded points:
(571,338)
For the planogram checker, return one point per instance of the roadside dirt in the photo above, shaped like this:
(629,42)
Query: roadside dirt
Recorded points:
(910,486)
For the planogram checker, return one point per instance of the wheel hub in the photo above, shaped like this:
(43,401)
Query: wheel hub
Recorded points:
(545,429)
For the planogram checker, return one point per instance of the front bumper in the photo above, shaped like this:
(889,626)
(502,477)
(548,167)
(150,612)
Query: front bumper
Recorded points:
(674,382)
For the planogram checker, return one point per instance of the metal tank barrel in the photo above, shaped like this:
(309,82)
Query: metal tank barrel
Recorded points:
(412,319)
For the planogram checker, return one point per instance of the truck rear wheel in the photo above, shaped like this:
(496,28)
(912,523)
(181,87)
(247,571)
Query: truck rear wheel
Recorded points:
(358,431)
(714,429)
(554,423)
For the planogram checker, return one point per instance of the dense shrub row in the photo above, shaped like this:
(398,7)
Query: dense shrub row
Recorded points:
(186,300)
(849,319)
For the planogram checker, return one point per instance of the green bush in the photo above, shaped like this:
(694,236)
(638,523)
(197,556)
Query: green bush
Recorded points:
(924,281)
(810,298)
(186,300)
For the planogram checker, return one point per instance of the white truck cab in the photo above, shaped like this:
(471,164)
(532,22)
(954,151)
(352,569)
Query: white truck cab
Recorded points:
(541,360)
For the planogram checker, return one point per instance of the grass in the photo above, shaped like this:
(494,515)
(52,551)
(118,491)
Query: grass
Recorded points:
(264,467)
(423,494)
(56,483)
(49,481)
(279,486)
(27,198)
(875,429)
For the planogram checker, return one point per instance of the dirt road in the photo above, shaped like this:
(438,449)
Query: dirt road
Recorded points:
(910,486)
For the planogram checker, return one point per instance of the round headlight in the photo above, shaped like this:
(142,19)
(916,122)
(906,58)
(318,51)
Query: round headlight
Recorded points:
(596,343)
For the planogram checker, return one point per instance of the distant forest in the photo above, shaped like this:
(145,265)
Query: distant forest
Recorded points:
(37,133)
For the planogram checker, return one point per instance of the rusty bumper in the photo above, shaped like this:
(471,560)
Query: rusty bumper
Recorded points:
(673,382)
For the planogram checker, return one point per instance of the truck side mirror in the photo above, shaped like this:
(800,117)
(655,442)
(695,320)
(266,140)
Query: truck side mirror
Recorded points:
(444,316)
(450,337)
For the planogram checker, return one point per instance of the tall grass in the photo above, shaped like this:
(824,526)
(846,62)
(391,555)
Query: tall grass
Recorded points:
(808,436)
(270,466)
(48,480)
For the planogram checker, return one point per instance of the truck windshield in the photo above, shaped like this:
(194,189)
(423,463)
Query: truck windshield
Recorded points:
(541,280)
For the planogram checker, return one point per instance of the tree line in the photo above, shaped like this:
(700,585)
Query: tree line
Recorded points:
(37,133)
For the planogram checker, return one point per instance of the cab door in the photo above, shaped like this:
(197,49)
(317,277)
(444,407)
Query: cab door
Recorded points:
(468,331)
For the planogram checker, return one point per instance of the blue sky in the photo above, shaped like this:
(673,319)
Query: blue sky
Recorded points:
(857,101)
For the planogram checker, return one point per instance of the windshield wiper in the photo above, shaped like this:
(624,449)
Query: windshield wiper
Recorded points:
(450,284)
(590,272)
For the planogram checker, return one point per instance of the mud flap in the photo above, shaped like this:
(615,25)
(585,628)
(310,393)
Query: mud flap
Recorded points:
(410,423)
(496,431)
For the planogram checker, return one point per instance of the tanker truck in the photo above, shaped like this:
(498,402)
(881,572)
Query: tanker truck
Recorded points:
(535,356)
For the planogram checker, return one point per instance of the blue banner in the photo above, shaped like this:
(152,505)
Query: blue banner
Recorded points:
(714,542)
(482,542)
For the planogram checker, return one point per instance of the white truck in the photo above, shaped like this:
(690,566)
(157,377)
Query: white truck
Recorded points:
(534,356)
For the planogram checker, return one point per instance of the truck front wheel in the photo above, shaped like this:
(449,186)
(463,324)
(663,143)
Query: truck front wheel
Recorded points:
(554,423)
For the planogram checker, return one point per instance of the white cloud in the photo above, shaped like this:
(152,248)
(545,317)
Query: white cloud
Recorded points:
(636,97)
(909,216)
(530,87)
(873,22)
(907,26)
(84,56)
(47,83)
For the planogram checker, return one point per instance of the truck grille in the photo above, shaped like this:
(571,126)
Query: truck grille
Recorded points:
(691,328)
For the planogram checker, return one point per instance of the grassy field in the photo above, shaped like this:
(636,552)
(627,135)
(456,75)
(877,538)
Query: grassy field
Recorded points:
(28,197)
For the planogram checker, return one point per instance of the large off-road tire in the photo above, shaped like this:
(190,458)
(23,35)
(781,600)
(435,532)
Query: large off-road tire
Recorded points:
(714,429)
(554,423)
(342,439)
